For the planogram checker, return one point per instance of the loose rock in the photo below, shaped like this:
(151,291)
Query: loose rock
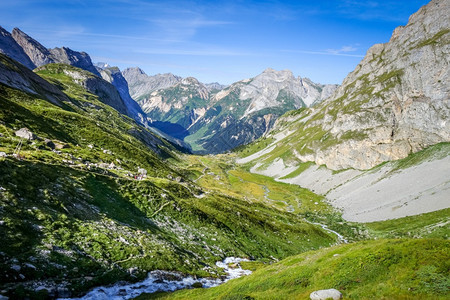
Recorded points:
(326,294)
(26,134)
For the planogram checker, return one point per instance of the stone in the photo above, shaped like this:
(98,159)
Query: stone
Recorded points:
(326,294)
(25,133)
(3,154)
(49,143)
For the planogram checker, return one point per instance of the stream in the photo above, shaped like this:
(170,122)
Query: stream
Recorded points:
(164,281)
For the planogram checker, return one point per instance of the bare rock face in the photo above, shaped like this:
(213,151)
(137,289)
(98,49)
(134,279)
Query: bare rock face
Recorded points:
(9,47)
(77,59)
(266,90)
(396,101)
(38,54)
(141,84)
(18,76)
(114,76)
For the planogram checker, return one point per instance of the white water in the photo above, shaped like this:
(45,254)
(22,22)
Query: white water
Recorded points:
(164,281)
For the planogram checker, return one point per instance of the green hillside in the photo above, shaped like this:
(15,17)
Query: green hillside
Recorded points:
(378,269)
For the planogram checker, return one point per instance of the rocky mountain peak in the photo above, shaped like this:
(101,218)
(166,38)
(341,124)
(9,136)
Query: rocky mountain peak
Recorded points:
(68,56)
(38,54)
(9,47)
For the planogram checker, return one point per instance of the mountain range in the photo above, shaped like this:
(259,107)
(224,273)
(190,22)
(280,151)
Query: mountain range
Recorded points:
(213,118)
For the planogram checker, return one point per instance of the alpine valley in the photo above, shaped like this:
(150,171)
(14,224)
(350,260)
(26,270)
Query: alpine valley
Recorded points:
(303,190)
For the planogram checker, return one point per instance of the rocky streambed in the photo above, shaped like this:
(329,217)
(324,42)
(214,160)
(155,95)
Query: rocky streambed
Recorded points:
(165,281)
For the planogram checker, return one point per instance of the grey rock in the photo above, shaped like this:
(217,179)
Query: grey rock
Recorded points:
(16,268)
(395,102)
(25,133)
(141,84)
(68,56)
(38,54)
(10,48)
(17,76)
(326,294)
(115,77)
(50,144)
(3,154)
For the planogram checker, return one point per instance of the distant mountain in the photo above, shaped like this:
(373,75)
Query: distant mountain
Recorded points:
(215,86)
(141,85)
(214,121)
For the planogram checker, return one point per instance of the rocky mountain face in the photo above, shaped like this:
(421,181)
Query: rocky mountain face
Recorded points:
(396,101)
(40,55)
(114,76)
(213,121)
(9,47)
(104,90)
(141,85)
(21,78)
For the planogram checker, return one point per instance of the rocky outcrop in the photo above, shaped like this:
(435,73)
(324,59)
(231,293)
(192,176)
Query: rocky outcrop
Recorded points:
(114,76)
(26,50)
(396,101)
(142,85)
(25,133)
(105,91)
(38,54)
(17,76)
(10,48)
(77,59)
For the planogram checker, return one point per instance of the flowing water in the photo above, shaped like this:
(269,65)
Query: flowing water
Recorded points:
(165,281)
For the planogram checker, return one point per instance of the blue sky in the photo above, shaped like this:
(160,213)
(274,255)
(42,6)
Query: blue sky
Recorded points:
(222,41)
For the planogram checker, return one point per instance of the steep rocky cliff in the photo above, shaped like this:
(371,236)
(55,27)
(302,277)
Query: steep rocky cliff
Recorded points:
(396,101)
(114,76)
(9,47)
(40,55)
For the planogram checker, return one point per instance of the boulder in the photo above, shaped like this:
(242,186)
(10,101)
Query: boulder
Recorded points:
(25,133)
(326,294)
(49,143)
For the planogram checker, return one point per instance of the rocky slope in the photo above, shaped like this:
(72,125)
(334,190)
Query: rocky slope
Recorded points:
(396,102)
(105,91)
(114,76)
(214,121)
(9,47)
(141,85)
(40,55)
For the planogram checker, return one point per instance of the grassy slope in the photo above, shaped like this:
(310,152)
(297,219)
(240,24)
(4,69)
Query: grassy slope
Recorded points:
(381,269)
